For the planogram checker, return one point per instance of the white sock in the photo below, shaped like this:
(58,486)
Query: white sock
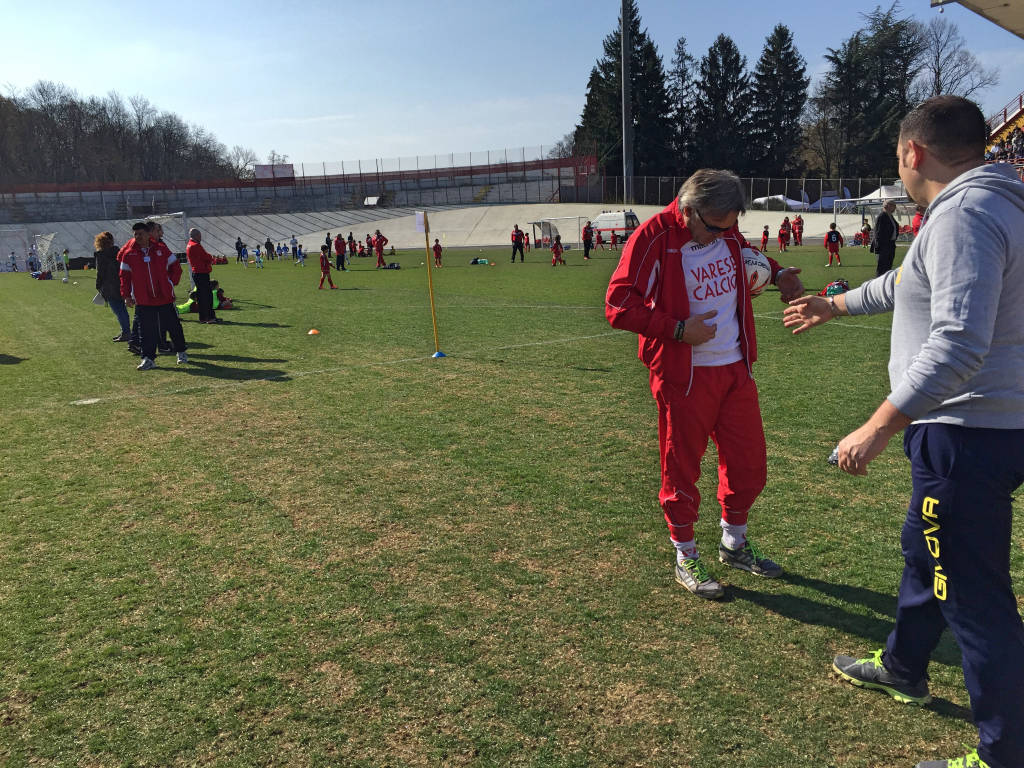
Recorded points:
(733,536)
(685,550)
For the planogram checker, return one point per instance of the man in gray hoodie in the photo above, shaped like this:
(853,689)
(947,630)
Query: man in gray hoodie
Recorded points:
(956,370)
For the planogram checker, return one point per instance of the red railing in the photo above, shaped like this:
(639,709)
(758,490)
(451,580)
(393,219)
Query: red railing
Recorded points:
(999,119)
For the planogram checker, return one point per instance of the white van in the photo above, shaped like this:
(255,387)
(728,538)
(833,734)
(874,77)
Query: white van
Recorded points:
(621,223)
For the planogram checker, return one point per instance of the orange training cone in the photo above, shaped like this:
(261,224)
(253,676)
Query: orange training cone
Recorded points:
(314,332)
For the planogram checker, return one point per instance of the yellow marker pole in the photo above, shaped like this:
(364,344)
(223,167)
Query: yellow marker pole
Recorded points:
(430,284)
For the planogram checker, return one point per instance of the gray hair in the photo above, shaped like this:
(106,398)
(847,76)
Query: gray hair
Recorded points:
(713,190)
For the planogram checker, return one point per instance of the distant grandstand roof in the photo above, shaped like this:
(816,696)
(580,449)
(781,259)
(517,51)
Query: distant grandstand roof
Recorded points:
(1009,16)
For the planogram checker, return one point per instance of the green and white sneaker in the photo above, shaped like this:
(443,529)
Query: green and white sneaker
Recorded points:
(871,673)
(695,577)
(970,760)
(749,558)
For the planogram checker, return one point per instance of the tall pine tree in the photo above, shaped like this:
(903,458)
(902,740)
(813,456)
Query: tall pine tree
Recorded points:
(780,92)
(680,94)
(721,109)
(600,127)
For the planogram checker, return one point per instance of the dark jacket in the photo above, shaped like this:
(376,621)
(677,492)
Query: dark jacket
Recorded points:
(107,267)
(885,234)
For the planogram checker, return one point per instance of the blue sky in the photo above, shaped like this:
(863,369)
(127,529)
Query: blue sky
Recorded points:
(344,80)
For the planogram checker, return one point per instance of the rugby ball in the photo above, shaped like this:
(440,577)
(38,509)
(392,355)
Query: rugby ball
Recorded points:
(758,269)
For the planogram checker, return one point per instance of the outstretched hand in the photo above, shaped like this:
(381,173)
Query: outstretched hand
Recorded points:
(806,312)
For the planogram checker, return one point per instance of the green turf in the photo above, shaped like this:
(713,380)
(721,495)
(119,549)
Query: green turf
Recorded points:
(335,550)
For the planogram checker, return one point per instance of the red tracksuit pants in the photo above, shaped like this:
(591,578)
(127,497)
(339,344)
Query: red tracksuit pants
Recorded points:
(380,258)
(721,405)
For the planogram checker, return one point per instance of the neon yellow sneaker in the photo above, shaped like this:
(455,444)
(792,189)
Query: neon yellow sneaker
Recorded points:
(970,760)
(871,673)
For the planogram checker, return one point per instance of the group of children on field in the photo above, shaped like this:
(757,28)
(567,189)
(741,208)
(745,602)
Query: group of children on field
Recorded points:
(795,229)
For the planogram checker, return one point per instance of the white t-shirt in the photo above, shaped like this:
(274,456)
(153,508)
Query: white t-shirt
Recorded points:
(711,285)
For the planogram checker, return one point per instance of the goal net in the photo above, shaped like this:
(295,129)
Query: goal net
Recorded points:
(854,213)
(569,227)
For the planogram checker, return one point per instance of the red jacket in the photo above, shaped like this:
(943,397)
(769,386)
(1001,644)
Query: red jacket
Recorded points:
(149,278)
(198,259)
(647,294)
(379,242)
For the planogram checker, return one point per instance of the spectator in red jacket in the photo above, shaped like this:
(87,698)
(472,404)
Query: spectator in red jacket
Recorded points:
(379,241)
(201,264)
(339,252)
(681,286)
(149,272)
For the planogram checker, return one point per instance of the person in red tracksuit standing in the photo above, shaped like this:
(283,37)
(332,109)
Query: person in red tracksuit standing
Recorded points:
(201,263)
(149,272)
(325,267)
(588,240)
(784,229)
(379,241)
(517,243)
(339,252)
(437,253)
(764,239)
(798,230)
(681,286)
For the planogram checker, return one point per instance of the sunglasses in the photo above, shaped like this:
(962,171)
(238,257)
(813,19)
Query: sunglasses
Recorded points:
(709,227)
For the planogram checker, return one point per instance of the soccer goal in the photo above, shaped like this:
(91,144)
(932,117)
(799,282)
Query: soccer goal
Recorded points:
(855,212)
(569,227)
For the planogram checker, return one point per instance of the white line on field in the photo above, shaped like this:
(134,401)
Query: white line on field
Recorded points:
(338,369)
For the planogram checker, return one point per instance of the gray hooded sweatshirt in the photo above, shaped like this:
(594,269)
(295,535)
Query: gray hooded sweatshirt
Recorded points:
(957,351)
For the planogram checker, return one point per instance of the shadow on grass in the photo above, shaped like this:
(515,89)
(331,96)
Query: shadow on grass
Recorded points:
(256,325)
(210,370)
(11,360)
(873,630)
(238,358)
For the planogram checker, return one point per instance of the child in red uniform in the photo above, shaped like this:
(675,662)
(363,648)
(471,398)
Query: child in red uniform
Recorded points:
(764,239)
(833,242)
(615,240)
(798,230)
(379,241)
(784,235)
(556,252)
(325,267)
(526,241)
(600,240)
(437,253)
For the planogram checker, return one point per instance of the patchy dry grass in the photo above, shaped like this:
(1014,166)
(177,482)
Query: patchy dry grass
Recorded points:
(335,550)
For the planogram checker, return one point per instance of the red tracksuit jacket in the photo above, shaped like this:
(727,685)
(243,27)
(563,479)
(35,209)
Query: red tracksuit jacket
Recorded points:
(149,278)
(647,294)
(198,259)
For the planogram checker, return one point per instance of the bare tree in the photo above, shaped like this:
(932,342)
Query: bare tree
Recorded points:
(274,159)
(564,147)
(241,159)
(949,68)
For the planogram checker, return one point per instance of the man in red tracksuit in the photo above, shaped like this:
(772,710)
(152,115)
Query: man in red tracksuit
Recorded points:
(149,272)
(681,286)
(379,241)
(339,252)
(201,264)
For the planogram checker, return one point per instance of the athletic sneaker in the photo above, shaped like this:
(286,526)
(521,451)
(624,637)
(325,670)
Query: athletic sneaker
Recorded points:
(695,577)
(970,760)
(182,358)
(146,364)
(871,673)
(749,558)
(122,337)
(135,349)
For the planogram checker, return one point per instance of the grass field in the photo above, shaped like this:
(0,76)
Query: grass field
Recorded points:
(335,550)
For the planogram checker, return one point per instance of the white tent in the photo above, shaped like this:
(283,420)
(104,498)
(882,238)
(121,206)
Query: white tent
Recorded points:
(886,192)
